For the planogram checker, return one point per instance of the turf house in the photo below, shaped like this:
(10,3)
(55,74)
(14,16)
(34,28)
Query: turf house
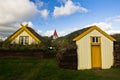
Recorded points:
(94,49)
(24,36)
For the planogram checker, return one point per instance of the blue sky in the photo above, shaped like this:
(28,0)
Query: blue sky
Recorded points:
(98,12)
(63,15)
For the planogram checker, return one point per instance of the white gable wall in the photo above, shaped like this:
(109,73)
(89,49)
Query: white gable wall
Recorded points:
(24,33)
(84,51)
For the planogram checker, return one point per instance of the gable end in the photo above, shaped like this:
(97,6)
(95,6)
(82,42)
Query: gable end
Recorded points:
(24,28)
(91,29)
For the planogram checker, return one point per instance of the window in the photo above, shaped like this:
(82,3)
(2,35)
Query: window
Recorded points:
(95,39)
(23,40)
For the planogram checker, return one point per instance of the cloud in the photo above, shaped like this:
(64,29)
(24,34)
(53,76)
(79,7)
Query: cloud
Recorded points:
(103,25)
(113,19)
(60,33)
(39,32)
(67,31)
(18,10)
(113,32)
(107,27)
(39,3)
(44,13)
(30,24)
(6,30)
(14,12)
(67,9)
(48,33)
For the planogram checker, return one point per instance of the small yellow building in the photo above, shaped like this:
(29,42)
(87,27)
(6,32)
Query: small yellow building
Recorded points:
(24,36)
(94,49)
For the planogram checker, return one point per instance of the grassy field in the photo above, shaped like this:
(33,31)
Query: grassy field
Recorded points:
(46,69)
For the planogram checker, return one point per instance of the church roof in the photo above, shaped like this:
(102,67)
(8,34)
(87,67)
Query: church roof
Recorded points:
(55,33)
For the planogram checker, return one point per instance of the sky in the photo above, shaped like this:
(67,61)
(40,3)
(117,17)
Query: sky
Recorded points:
(66,16)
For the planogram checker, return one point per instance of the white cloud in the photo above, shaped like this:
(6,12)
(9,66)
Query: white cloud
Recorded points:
(67,9)
(103,25)
(30,24)
(60,33)
(14,12)
(48,33)
(39,3)
(67,31)
(113,31)
(107,27)
(44,13)
(113,19)
(39,32)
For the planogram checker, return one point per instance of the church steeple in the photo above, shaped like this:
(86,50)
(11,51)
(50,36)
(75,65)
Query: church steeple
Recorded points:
(55,35)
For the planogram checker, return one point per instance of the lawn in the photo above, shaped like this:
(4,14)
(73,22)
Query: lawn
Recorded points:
(46,69)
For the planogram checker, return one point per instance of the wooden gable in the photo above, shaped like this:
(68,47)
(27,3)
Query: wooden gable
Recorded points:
(85,31)
(28,30)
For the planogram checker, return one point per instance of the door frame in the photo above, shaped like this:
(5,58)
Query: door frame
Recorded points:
(96,44)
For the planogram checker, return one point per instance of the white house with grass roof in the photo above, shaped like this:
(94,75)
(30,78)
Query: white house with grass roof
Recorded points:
(24,36)
(94,49)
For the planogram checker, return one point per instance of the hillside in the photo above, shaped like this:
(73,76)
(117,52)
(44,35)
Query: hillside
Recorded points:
(67,41)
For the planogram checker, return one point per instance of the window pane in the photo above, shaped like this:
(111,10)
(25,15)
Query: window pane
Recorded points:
(96,39)
(93,39)
(23,40)
(26,39)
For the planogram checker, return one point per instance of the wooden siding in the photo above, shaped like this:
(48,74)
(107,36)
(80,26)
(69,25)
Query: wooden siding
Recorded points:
(24,33)
(84,51)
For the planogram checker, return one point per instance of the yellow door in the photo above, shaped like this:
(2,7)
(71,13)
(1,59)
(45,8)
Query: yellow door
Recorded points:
(96,56)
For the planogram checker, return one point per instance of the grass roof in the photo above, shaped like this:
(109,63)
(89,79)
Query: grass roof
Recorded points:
(67,41)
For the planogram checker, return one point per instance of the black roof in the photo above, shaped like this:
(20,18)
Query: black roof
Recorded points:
(34,32)
(76,33)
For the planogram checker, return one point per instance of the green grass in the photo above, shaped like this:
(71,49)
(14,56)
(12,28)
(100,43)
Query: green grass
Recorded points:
(46,69)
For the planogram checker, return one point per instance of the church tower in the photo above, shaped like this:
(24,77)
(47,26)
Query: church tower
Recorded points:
(55,35)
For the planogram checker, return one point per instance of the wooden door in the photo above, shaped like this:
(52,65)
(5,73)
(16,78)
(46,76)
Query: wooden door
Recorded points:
(96,56)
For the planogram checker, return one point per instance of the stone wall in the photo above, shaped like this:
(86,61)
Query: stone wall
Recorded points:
(67,59)
(117,55)
(35,53)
